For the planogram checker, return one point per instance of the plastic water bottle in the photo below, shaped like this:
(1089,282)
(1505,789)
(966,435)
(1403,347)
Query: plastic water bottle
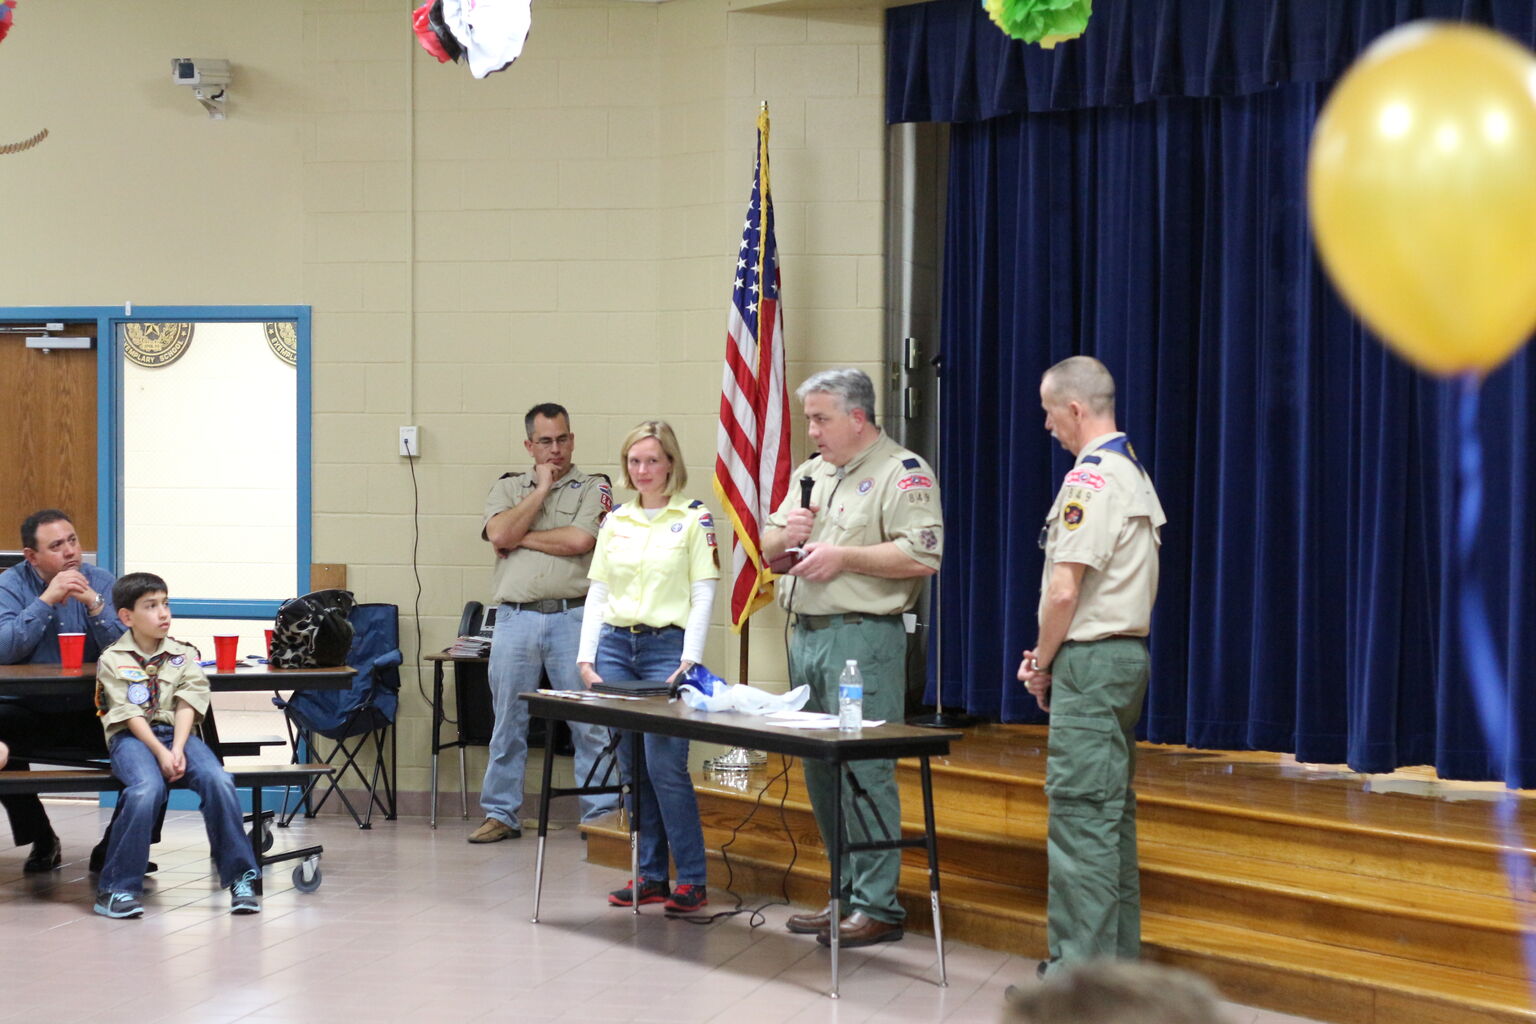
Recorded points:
(850,698)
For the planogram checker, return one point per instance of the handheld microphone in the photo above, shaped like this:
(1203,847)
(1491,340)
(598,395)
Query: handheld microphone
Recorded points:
(787,560)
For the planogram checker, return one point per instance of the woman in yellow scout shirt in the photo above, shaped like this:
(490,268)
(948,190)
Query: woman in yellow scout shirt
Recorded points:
(647,614)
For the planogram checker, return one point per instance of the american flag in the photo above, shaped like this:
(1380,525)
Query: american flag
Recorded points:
(752,450)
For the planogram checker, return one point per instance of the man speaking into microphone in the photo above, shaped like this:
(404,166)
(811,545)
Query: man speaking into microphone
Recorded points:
(872,532)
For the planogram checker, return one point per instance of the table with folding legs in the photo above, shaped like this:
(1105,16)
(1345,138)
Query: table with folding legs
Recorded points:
(67,690)
(733,729)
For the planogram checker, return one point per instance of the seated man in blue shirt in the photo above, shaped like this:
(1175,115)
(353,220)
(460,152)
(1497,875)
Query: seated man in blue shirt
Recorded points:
(54,591)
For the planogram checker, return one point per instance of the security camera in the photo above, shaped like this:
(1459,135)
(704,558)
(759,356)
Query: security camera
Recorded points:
(208,78)
(200,71)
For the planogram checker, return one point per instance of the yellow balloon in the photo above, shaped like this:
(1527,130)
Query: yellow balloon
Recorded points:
(1421,185)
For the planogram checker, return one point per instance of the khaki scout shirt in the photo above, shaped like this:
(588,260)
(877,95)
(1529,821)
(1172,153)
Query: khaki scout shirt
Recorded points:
(133,685)
(1107,517)
(576,499)
(885,493)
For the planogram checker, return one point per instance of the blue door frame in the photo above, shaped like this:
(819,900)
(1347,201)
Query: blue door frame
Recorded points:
(109,428)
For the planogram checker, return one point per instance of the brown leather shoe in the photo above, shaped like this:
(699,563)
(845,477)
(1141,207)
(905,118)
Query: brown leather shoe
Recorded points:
(810,924)
(859,929)
(493,831)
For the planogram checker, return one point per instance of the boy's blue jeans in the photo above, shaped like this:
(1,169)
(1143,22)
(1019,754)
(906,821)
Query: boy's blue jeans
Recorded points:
(144,788)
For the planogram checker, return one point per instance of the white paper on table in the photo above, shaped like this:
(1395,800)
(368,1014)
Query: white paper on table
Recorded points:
(818,721)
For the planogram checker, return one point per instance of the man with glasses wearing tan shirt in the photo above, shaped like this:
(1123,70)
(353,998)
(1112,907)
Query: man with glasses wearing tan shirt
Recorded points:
(542,525)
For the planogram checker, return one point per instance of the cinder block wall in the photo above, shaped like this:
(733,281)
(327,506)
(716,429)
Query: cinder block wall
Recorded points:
(565,230)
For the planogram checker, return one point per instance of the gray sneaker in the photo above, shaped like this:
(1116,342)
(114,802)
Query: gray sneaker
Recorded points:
(118,904)
(242,895)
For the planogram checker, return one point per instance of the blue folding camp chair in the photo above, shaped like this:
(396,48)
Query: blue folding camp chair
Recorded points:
(354,720)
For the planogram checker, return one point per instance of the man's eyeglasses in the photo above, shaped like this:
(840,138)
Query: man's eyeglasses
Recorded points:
(549,442)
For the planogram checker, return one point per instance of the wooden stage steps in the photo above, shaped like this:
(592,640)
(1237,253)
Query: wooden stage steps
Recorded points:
(1305,889)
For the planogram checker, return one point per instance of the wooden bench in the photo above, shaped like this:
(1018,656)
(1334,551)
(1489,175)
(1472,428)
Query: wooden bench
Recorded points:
(306,875)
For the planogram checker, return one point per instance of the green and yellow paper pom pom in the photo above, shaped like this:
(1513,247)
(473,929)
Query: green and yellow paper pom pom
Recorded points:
(1046,22)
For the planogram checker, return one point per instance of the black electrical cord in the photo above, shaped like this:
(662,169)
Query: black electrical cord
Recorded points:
(756,919)
(410,460)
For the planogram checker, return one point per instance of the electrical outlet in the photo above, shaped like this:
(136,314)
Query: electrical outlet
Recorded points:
(410,442)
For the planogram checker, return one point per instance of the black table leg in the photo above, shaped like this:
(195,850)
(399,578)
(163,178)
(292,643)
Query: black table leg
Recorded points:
(258,829)
(544,798)
(835,855)
(636,739)
(437,731)
(932,842)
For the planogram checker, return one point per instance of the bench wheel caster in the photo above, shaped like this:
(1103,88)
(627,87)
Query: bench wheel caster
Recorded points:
(265,832)
(307,876)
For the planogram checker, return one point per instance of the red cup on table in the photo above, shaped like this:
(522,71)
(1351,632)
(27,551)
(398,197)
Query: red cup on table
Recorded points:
(71,651)
(224,651)
(269,641)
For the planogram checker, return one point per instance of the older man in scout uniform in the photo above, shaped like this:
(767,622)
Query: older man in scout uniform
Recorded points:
(1089,666)
(873,532)
(542,525)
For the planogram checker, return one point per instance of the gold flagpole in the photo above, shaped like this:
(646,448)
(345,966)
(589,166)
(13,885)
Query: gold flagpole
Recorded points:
(739,760)
(762,256)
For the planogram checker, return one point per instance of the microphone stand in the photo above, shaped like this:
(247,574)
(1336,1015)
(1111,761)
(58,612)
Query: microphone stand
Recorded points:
(940,719)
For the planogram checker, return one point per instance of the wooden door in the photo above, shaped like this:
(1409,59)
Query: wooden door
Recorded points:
(47,434)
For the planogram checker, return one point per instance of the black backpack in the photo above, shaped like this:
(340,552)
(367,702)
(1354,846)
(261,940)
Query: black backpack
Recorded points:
(313,631)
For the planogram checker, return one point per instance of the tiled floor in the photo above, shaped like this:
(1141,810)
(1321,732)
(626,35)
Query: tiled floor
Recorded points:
(415,925)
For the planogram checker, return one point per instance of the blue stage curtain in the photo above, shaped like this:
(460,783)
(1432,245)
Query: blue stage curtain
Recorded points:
(945,61)
(1307,602)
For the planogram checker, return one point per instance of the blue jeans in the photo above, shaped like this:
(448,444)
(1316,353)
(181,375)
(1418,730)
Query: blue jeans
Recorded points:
(522,644)
(667,815)
(144,789)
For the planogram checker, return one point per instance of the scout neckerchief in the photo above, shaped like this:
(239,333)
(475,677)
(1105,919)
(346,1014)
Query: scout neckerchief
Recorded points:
(144,681)
(1120,445)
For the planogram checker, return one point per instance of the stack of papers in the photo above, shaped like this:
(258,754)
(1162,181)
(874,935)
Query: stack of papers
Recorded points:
(470,647)
(813,720)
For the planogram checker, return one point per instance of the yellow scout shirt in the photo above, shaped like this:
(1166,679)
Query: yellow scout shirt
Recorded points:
(576,499)
(132,685)
(885,493)
(1107,517)
(651,564)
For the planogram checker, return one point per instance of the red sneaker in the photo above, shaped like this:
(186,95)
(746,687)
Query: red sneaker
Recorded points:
(687,898)
(650,892)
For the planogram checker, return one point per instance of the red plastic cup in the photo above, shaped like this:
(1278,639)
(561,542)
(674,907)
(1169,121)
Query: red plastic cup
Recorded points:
(71,651)
(224,650)
(269,641)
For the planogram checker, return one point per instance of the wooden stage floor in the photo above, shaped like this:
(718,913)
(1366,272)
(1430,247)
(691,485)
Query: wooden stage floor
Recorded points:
(1308,889)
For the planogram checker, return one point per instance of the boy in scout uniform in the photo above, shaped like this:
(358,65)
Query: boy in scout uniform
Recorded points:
(1089,666)
(542,525)
(873,533)
(150,692)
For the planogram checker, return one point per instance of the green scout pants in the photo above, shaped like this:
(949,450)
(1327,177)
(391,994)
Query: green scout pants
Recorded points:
(1094,905)
(816,657)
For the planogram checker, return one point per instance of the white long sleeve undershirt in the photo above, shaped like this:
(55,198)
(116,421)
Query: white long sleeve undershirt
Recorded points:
(701,601)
